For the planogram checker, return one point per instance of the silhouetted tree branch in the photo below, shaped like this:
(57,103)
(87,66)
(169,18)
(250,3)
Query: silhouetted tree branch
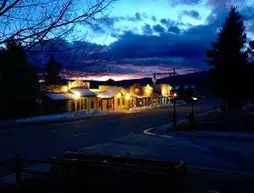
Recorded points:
(32,21)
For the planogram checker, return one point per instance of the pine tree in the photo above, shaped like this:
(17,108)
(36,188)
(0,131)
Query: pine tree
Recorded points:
(227,59)
(18,83)
(52,71)
(110,82)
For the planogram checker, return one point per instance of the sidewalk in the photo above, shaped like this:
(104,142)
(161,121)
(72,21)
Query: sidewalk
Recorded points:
(58,118)
(74,116)
(163,131)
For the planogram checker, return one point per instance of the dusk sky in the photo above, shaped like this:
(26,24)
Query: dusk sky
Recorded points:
(148,36)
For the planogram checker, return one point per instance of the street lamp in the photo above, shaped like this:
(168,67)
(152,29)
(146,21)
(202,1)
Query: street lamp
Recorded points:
(191,116)
(174,112)
(192,105)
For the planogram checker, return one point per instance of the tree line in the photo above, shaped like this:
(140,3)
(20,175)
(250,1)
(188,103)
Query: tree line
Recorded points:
(19,84)
(25,25)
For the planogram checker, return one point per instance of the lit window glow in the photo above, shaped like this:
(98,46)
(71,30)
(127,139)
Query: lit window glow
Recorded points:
(127,96)
(77,95)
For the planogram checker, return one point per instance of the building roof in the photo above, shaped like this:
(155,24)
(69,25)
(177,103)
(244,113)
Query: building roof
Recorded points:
(109,93)
(105,94)
(60,96)
(84,92)
(114,89)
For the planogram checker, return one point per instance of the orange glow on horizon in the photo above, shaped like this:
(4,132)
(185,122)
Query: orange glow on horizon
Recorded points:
(115,77)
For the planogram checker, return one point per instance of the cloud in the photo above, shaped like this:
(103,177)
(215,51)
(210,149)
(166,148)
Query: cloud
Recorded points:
(174,30)
(217,4)
(192,13)
(217,17)
(107,24)
(68,54)
(184,2)
(190,45)
(248,12)
(147,29)
(144,15)
(123,69)
(169,23)
(138,17)
(165,21)
(222,4)
(96,28)
(158,28)
(109,21)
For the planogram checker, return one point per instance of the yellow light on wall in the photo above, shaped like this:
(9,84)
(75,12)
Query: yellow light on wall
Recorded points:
(148,89)
(127,96)
(165,90)
(118,95)
(64,89)
(77,95)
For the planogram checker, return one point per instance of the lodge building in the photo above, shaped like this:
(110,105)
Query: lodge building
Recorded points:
(77,95)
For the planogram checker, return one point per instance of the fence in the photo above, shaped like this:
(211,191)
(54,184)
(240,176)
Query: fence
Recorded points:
(124,172)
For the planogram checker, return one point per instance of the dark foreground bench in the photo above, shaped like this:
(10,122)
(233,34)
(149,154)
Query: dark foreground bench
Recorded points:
(76,172)
(119,174)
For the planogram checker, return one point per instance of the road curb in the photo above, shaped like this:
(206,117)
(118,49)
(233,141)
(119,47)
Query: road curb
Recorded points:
(169,124)
(150,132)
(63,120)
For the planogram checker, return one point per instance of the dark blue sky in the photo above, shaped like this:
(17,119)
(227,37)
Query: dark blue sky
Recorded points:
(147,36)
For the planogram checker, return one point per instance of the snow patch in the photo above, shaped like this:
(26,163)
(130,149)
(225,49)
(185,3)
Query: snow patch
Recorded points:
(140,108)
(67,115)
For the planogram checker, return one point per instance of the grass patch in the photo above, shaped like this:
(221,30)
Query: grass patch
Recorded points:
(222,121)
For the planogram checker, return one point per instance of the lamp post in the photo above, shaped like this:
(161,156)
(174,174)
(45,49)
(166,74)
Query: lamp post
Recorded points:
(192,105)
(174,111)
(191,116)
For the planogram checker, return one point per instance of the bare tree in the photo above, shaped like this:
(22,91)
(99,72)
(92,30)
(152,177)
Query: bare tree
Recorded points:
(31,21)
(83,58)
(250,49)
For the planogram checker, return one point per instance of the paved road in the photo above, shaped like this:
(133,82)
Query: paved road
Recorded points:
(45,141)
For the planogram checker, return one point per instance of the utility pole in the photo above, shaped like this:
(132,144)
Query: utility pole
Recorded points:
(174,108)
(174,111)
(174,72)
(170,74)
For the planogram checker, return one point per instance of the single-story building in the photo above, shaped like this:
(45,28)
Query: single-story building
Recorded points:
(112,97)
(57,102)
(86,100)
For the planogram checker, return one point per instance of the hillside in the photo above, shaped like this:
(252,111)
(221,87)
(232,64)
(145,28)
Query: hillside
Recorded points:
(198,78)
